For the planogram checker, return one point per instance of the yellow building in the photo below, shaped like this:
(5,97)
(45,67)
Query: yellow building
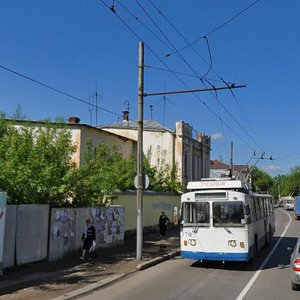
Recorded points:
(192,155)
(82,133)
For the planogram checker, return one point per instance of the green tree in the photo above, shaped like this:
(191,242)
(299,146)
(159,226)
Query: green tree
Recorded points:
(277,188)
(19,114)
(261,181)
(103,172)
(35,163)
(291,183)
(163,177)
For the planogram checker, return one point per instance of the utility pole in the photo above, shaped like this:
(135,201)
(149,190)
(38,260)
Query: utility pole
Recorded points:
(140,175)
(231,159)
(139,227)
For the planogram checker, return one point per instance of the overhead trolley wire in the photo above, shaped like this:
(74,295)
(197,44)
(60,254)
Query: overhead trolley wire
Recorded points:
(157,56)
(210,64)
(153,52)
(172,45)
(203,102)
(210,67)
(218,27)
(137,19)
(210,55)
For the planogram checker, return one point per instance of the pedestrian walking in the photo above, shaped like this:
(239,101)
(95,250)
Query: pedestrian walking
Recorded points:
(88,239)
(163,223)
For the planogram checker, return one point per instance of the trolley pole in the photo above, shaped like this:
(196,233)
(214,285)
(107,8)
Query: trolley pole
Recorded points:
(139,227)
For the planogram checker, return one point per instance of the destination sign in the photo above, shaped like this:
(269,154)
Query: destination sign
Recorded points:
(214,184)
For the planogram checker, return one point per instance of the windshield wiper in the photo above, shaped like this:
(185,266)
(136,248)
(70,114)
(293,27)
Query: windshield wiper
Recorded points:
(223,225)
(196,228)
(200,218)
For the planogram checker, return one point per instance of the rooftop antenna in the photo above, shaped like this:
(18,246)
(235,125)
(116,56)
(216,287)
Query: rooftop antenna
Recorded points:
(91,108)
(96,99)
(164,110)
(151,110)
(126,105)
(126,111)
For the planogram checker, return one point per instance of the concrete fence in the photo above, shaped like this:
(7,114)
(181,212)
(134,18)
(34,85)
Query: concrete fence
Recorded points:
(37,232)
(67,225)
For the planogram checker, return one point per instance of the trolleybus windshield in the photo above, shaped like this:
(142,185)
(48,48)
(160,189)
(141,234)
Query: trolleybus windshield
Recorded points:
(229,213)
(196,213)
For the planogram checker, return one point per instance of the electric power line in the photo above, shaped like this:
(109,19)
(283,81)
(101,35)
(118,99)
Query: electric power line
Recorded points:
(154,53)
(57,90)
(217,28)
(210,64)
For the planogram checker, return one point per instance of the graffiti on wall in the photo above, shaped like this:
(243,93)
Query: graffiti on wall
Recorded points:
(63,225)
(109,224)
(162,205)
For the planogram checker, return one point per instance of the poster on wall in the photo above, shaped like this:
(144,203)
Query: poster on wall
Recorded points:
(3,196)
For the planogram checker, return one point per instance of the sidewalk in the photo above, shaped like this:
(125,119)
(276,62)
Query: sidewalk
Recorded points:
(70,277)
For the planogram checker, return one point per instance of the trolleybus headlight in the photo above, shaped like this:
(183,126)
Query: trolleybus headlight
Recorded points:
(232,243)
(193,242)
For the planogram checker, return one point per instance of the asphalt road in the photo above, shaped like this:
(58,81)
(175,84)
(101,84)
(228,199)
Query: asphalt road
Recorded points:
(268,278)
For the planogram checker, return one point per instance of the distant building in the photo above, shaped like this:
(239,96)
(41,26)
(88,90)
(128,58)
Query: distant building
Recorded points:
(218,169)
(191,155)
(82,133)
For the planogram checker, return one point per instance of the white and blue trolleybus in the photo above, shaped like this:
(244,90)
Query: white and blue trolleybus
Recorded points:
(221,219)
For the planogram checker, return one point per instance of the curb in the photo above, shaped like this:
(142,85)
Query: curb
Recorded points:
(157,260)
(90,287)
(110,279)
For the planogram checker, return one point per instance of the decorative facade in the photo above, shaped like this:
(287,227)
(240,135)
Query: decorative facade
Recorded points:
(191,155)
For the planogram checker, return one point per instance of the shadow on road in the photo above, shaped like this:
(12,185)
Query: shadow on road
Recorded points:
(279,259)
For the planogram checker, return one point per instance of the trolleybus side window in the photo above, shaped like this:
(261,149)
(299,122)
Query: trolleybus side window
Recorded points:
(248,214)
(272,206)
(268,206)
(262,207)
(267,210)
(257,208)
(229,213)
(253,209)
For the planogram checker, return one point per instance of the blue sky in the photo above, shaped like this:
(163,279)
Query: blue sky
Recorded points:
(80,47)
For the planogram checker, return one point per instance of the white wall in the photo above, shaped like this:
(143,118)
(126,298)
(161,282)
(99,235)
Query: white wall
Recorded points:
(32,233)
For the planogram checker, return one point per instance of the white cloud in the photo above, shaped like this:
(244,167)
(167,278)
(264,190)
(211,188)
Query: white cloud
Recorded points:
(216,136)
(273,169)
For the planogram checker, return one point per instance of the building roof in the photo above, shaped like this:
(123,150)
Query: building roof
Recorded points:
(69,125)
(219,165)
(150,125)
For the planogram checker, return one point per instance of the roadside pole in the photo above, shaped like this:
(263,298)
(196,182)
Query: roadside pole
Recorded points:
(140,176)
(139,227)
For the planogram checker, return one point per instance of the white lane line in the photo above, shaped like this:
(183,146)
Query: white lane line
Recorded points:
(254,277)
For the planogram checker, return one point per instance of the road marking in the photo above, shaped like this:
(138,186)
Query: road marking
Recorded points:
(254,277)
